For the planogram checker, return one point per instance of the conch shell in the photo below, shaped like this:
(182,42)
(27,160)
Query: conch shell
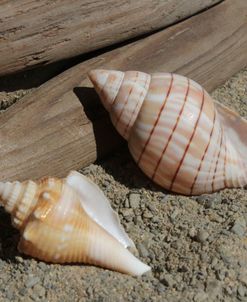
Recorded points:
(182,139)
(69,220)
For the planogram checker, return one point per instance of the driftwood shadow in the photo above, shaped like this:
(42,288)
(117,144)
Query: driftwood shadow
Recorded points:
(28,79)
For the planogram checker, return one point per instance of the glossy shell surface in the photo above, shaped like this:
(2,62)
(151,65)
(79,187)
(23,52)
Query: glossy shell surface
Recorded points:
(177,134)
(69,220)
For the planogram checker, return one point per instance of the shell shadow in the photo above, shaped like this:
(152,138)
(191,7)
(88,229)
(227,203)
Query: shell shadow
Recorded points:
(107,139)
(9,238)
(114,158)
(124,170)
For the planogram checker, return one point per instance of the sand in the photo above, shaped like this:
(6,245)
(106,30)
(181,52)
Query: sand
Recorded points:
(196,246)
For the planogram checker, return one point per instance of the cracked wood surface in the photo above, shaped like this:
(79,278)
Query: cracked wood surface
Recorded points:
(34,33)
(49,131)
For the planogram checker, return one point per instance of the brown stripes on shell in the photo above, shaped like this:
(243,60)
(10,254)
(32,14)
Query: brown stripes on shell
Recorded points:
(126,101)
(114,101)
(239,164)
(173,130)
(213,157)
(133,111)
(217,161)
(190,140)
(102,88)
(156,121)
(204,154)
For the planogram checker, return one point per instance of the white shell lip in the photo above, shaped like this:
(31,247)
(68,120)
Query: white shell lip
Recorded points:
(97,206)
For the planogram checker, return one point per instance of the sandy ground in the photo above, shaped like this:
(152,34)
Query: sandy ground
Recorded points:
(196,246)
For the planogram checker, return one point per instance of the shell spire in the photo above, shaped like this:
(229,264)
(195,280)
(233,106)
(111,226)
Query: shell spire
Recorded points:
(177,134)
(69,220)
(19,198)
(122,94)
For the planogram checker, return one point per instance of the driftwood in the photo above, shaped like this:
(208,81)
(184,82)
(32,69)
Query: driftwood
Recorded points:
(48,132)
(34,33)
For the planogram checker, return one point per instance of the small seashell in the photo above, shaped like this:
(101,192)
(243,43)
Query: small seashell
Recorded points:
(177,134)
(69,220)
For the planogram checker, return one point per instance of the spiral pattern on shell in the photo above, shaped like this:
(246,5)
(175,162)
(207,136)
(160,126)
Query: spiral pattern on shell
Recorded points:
(176,133)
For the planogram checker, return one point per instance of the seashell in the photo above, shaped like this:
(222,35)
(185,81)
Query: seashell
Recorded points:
(178,135)
(69,220)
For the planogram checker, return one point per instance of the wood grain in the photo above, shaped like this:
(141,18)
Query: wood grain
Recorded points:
(49,131)
(34,33)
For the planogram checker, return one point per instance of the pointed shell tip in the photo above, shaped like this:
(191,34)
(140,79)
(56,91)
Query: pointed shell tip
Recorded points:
(141,268)
(95,75)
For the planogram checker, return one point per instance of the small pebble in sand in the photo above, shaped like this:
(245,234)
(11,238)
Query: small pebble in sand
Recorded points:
(134,200)
(239,227)
(202,236)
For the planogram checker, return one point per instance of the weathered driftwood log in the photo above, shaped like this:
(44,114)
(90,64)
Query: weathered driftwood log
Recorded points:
(48,132)
(33,33)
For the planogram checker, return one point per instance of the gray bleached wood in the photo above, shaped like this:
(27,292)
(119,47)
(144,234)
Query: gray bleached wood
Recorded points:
(34,33)
(49,133)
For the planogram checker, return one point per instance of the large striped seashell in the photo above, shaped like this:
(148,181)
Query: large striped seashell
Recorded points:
(177,134)
(69,220)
